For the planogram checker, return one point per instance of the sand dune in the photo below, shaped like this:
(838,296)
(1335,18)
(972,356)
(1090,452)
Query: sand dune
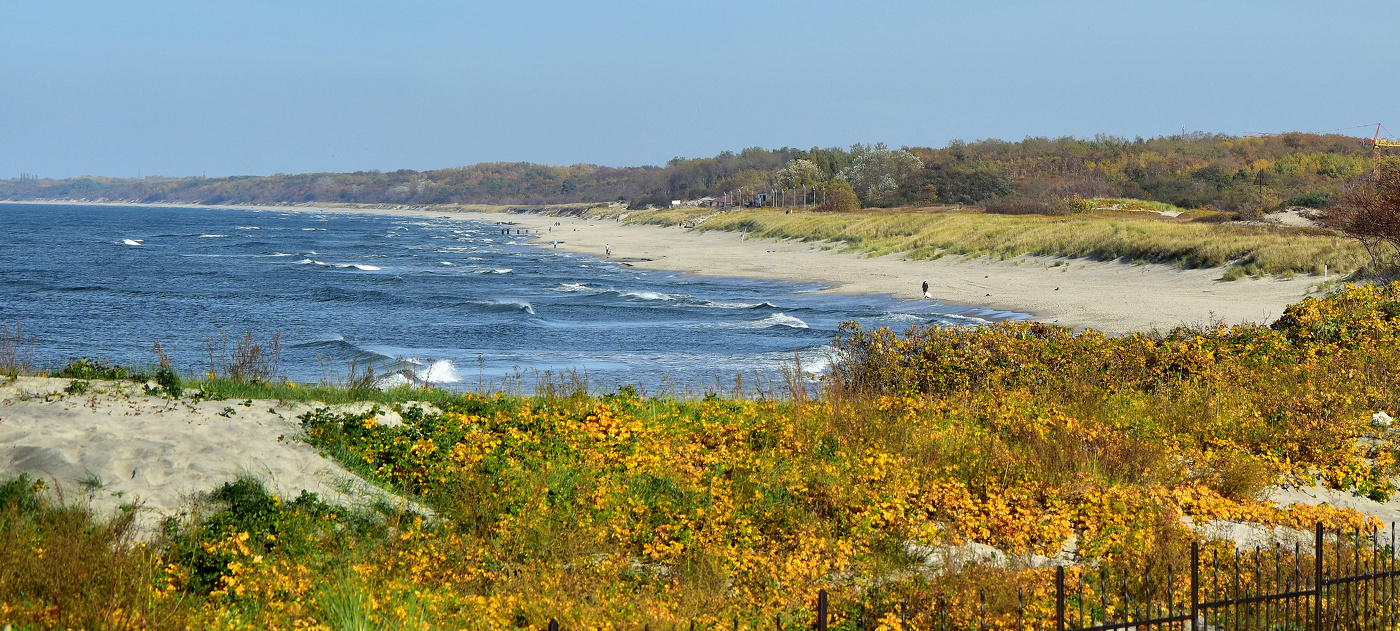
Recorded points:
(114,445)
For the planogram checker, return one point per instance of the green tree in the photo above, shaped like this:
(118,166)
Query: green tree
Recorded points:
(840,197)
(876,171)
(800,173)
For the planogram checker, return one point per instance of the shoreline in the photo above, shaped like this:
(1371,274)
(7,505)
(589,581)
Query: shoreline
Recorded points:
(1109,296)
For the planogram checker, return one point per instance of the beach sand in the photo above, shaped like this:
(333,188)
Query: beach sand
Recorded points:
(114,445)
(1109,296)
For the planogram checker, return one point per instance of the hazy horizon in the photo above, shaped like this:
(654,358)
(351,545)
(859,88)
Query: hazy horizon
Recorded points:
(259,88)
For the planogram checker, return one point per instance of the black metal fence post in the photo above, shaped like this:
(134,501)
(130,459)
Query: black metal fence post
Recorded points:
(1195,585)
(553,625)
(1060,598)
(1317,580)
(821,610)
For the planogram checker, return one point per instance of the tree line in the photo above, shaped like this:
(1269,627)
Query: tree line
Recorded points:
(1190,170)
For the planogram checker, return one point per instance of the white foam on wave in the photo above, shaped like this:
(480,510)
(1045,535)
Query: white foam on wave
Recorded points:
(392,381)
(212,236)
(249,228)
(782,319)
(573,287)
(777,319)
(278,254)
(817,366)
(503,270)
(444,262)
(650,295)
(440,371)
(132,241)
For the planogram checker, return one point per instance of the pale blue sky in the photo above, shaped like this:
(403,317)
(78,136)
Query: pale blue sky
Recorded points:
(180,88)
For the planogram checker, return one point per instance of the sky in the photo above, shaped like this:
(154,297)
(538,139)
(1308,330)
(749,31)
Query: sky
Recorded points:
(140,88)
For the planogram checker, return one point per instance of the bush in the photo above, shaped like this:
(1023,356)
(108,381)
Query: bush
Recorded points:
(961,186)
(1314,199)
(840,197)
(1075,204)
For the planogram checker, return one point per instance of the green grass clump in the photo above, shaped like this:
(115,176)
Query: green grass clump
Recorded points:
(86,368)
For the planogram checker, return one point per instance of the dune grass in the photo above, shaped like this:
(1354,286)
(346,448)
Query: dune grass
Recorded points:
(1125,236)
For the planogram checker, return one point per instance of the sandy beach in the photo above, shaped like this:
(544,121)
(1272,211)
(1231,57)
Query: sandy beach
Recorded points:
(1110,296)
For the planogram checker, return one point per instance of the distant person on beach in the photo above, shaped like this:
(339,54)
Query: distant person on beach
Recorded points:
(607,249)
(926,294)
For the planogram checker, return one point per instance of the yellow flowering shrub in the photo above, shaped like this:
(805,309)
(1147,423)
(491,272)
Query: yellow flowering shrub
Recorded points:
(616,511)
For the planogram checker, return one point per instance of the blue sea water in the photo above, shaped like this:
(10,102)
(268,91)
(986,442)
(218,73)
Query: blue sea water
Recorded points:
(452,300)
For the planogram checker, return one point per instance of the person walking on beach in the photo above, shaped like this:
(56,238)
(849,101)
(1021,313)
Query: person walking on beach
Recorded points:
(607,249)
(926,294)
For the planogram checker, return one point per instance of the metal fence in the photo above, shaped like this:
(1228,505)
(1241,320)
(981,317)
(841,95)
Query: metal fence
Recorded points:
(1344,581)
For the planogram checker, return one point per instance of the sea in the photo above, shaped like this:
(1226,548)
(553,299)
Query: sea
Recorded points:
(440,300)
